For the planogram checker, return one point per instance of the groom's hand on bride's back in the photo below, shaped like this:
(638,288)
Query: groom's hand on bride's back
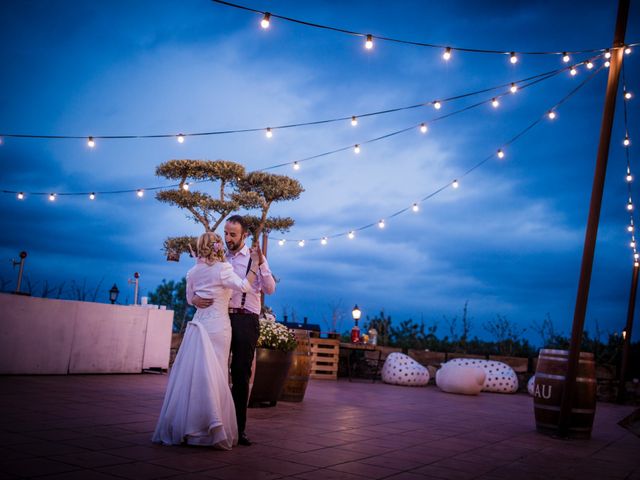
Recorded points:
(200,302)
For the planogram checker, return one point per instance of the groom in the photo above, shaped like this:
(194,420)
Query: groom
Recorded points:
(244,309)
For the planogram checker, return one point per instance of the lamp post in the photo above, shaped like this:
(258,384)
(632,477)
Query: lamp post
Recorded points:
(20,262)
(113,294)
(355,331)
(136,276)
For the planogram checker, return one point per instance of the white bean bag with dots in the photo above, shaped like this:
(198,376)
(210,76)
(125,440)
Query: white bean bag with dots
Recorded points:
(454,378)
(500,377)
(531,385)
(401,369)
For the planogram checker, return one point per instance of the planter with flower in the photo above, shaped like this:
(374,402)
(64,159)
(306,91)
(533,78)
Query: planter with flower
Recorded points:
(274,354)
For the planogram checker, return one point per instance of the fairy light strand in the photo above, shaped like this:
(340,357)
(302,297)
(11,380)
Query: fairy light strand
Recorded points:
(629,177)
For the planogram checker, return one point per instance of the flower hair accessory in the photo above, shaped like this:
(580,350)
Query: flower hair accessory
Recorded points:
(217,246)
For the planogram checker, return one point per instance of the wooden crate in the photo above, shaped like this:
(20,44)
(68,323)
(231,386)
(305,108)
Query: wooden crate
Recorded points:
(325,353)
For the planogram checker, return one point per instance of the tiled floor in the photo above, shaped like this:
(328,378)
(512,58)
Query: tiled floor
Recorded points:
(99,427)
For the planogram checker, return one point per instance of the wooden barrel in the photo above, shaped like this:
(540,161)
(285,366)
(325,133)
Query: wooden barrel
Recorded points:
(548,389)
(298,377)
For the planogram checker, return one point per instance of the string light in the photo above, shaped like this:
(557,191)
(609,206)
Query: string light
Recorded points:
(629,205)
(281,242)
(368,44)
(423,127)
(381,223)
(180,138)
(627,50)
(500,155)
(607,54)
(92,196)
(447,54)
(140,193)
(356,148)
(354,121)
(573,71)
(636,264)
(552,114)
(629,177)
(455,184)
(632,243)
(20,195)
(495,103)
(266,20)
(301,243)
(185,186)
(52,197)
(565,57)
(627,95)
(636,256)
(626,142)
(269,133)
(296,166)
(589,64)
(437,105)
(607,64)
(324,240)
(351,235)
(514,88)
(415,207)
(630,227)
(91,142)
(513,58)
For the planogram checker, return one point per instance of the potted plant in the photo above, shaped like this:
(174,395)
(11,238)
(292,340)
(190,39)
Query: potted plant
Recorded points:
(274,354)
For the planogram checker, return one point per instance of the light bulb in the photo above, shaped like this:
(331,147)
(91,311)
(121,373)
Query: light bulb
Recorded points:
(423,127)
(381,223)
(636,264)
(627,50)
(630,228)
(269,133)
(589,64)
(351,235)
(573,71)
(437,105)
(368,44)
(636,256)
(495,103)
(514,88)
(92,196)
(52,197)
(415,207)
(324,240)
(500,153)
(630,205)
(632,244)
(627,95)
(607,54)
(140,193)
(629,177)
(513,58)
(552,114)
(296,165)
(185,187)
(281,242)
(180,138)
(266,20)
(607,64)
(626,142)
(455,184)
(91,142)
(20,196)
(356,148)
(447,54)
(301,243)
(354,121)
(565,57)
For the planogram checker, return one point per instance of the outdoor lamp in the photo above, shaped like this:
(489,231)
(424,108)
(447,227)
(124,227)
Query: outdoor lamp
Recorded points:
(355,331)
(356,313)
(113,294)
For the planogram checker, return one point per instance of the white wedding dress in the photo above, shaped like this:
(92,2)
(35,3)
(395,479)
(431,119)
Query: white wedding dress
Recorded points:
(198,407)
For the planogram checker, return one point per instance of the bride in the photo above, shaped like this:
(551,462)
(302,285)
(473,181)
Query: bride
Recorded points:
(198,408)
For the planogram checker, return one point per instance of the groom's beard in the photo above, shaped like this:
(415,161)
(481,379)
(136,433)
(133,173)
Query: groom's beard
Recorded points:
(233,247)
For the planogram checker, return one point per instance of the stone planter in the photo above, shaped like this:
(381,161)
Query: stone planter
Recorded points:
(272,368)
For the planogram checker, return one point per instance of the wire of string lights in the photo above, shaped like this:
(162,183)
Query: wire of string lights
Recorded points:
(626,142)
(415,207)
(370,38)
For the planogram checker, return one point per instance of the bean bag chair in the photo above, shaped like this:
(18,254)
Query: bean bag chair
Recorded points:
(401,369)
(461,379)
(500,377)
(531,385)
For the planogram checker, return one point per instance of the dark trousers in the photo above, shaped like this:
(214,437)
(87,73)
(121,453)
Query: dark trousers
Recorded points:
(245,329)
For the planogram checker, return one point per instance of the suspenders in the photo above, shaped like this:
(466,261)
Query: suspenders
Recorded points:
(244,294)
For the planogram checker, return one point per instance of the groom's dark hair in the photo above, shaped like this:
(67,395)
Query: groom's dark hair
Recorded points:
(239,219)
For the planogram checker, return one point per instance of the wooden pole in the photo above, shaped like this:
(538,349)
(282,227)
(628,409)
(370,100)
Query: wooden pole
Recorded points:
(626,335)
(594,216)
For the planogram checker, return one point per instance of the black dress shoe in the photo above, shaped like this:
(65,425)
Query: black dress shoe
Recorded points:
(243,440)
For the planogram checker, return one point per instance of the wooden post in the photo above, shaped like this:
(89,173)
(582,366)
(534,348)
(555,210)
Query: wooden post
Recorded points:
(594,216)
(626,335)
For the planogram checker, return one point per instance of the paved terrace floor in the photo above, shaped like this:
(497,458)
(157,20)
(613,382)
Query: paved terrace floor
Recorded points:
(98,427)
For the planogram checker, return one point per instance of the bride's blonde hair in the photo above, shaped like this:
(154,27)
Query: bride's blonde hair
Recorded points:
(210,248)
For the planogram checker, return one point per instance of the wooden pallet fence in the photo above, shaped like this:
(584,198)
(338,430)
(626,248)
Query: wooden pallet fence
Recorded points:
(325,353)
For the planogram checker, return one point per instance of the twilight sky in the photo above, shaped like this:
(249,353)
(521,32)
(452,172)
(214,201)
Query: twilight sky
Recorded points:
(509,239)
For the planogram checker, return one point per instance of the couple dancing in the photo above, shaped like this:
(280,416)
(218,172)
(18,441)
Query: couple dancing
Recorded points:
(199,408)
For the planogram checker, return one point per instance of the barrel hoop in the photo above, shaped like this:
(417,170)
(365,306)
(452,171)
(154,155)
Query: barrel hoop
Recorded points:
(560,359)
(298,377)
(573,429)
(562,377)
(564,352)
(556,408)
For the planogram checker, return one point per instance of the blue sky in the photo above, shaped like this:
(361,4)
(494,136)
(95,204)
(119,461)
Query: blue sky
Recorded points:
(509,240)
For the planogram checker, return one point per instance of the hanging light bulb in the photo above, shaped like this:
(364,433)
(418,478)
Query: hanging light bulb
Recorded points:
(626,142)
(629,177)
(565,57)
(92,196)
(301,243)
(607,64)
(500,153)
(91,142)
(52,197)
(354,121)
(423,127)
(589,64)
(447,54)
(632,243)
(140,193)
(629,205)
(368,44)
(281,242)
(513,58)
(455,184)
(180,138)
(351,235)
(381,223)
(269,133)
(415,207)
(514,88)
(20,195)
(630,227)
(636,256)
(185,187)
(324,241)
(607,54)
(437,105)
(296,165)
(627,95)
(495,103)
(627,50)
(356,148)
(636,264)
(266,20)
(573,71)
(552,115)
